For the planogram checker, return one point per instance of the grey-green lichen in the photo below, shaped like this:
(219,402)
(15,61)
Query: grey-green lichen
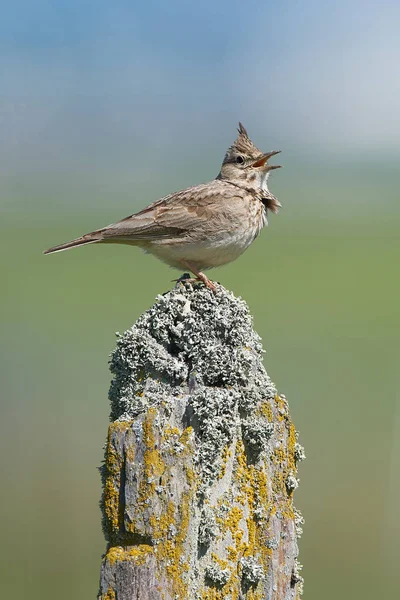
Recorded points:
(299,452)
(202,346)
(297,578)
(189,337)
(208,528)
(252,571)
(292,482)
(298,522)
(256,433)
(216,576)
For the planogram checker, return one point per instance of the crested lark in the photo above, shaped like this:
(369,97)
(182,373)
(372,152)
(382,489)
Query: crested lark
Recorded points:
(203,226)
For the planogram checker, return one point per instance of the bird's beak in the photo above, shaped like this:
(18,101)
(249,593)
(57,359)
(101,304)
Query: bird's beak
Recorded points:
(262,160)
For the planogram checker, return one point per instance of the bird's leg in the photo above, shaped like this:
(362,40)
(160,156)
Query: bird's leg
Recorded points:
(201,277)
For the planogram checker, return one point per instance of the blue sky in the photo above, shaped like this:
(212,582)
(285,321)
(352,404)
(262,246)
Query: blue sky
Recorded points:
(94,82)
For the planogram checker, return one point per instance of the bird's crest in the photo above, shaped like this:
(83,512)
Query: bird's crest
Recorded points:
(242,144)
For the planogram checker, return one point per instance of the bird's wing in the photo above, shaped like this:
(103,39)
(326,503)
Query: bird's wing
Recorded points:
(177,215)
(173,216)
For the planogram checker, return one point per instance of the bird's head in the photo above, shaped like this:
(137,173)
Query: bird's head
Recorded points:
(245,165)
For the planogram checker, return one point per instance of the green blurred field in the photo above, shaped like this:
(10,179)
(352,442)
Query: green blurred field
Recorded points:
(323,285)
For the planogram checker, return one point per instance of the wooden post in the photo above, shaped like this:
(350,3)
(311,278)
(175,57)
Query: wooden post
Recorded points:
(200,461)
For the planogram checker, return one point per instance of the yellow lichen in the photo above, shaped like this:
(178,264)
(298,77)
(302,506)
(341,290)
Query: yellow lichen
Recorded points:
(265,410)
(253,491)
(113,469)
(213,594)
(232,553)
(170,431)
(186,436)
(138,554)
(112,506)
(223,564)
(110,595)
(226,454)
(190,476)
(130,453)
(291,448)
(281,405)
(169,548)
(233,519)
(254,594)
(278,456)
(154,466)
(169,529)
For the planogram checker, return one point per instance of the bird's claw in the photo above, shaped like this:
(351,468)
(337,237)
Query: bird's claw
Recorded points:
(186,278)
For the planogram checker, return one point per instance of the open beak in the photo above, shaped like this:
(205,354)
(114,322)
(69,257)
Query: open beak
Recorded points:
(262,160)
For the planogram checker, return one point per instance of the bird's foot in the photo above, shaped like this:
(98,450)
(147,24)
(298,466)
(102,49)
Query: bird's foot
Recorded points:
(200,277)
(207,282)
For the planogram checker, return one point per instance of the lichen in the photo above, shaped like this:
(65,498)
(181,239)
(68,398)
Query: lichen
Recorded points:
(214,418)
(298,522)
(112,472)
(137,554)
(208,528)
(225,456)
(299,452)
(216,576)
(154,465)
(188,336)
(213,454)
(291,483)
(168,529)
(252,571)
(256,433)
(297,579)
(109,595)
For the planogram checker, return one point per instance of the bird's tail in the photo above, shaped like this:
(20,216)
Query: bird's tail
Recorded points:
(88,238)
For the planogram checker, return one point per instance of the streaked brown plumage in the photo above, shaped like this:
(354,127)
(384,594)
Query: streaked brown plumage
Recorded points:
(206,225)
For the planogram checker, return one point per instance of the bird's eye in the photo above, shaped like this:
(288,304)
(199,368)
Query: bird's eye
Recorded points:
(240,160)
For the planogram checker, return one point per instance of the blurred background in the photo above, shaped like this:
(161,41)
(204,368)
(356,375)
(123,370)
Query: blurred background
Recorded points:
(105,107)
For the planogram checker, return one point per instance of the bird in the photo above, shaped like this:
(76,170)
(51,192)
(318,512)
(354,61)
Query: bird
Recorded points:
(203,226)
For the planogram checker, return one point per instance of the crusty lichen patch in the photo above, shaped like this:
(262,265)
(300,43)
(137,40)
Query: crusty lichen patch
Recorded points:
(201,474)
(113,470)
(137,554)
(109,595)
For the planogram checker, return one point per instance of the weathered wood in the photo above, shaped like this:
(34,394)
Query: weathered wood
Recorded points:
(200,461)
